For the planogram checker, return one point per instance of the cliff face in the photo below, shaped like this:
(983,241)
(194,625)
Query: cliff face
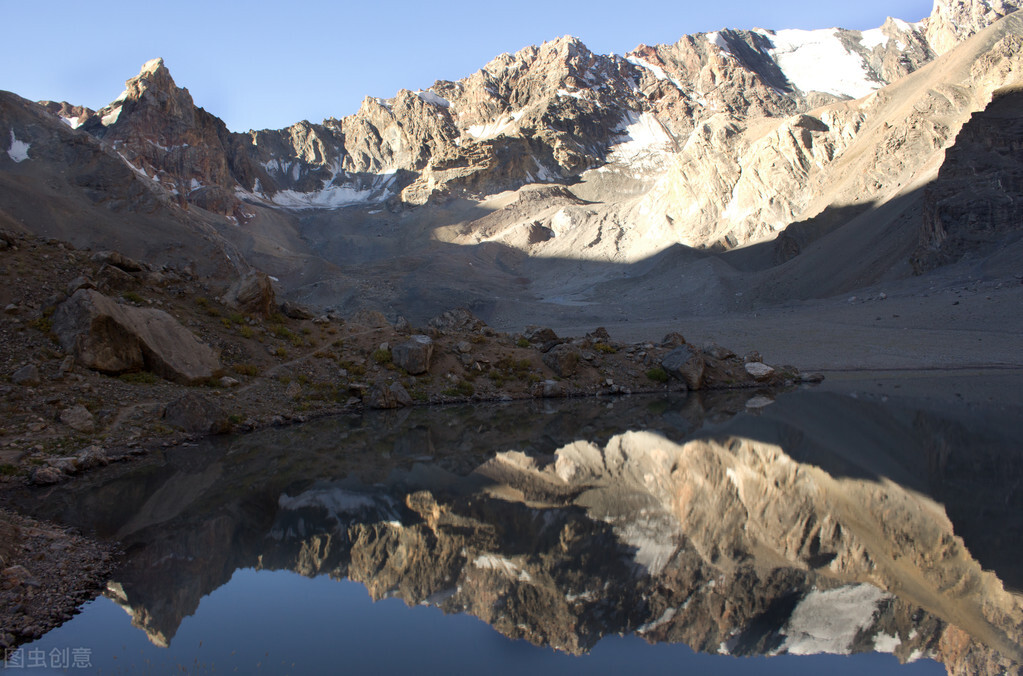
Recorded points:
(975,201)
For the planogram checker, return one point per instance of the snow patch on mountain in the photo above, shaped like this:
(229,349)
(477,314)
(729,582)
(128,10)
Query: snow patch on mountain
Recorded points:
(494,128)
(817,60)
(433,99)
(716,39)
(875,37)
(18,150)
(828,621)
(112,116)
(329,197)
(642,141)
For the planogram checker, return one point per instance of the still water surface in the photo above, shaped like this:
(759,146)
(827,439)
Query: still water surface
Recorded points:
(805,532)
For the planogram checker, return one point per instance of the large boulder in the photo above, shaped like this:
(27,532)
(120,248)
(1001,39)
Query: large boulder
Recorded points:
(253,293)
(388,395)
(414,355)
(196,414)
(112,338)
(686,364)
(563,360)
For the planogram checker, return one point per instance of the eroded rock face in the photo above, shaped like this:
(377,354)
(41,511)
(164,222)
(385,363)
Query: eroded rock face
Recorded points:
(953,21)
(106,336)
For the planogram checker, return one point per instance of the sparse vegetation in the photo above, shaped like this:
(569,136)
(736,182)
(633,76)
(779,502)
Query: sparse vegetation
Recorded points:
(605,348)
(657,374)
(382,356)
(522,342)
(139,378)
(246,369)
(133,297)
(463,388)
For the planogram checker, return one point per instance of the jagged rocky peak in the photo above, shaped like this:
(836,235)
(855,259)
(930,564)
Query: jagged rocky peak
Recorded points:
(952,21)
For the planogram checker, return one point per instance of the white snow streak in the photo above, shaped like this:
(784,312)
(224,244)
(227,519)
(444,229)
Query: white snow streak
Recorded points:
(434,99)
(656,70)
(18,150)
(493,128)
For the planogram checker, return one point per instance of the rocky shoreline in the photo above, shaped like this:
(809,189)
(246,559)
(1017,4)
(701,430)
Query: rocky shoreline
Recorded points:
(90,381)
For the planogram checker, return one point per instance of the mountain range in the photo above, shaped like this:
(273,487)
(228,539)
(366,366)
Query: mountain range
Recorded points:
(728,172)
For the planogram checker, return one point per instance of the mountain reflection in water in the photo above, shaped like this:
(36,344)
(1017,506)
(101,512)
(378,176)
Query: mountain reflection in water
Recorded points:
(819,523)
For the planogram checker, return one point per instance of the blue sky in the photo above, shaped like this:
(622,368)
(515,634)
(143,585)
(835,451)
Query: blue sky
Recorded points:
(269,64)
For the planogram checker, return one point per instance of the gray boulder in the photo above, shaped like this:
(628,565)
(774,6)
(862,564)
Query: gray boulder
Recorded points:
(414,355)
(388,395)
(296,310)
(118,260)
(196,414)
(253,293)
(759,370)
(563,360)
(686,364)
(26,375)
(112,338)
(78,418)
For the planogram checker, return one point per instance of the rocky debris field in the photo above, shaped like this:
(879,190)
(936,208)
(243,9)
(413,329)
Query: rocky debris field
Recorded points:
(46,572)
(105,358)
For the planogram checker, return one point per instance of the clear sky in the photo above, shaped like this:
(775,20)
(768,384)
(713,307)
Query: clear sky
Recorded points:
(262,64)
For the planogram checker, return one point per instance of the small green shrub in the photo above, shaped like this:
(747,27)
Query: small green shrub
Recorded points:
(246,369)
(522,342)
(382,356)
(657,374)
(133,297)
(139,378)
(605,348)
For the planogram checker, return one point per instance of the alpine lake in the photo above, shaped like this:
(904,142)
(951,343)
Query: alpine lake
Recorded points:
(873,523)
